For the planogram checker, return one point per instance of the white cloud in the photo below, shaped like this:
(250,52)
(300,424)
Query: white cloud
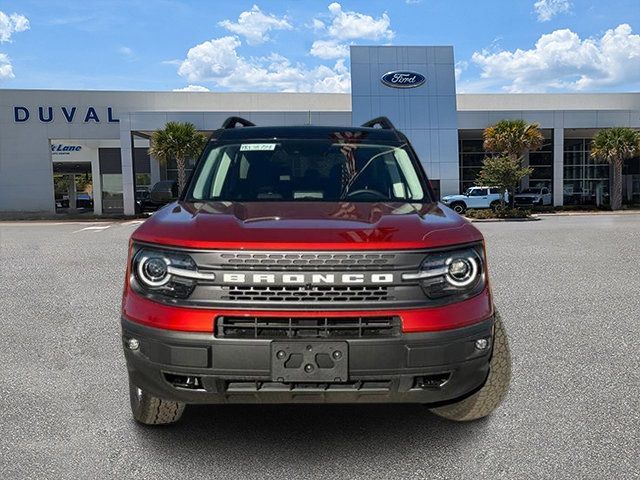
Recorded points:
(10,24)
(561,60)
(347,26)
(254,25)
(329,49)
(547,9)
(355,25)
(192,88)
(460,67)
(218,61)
(127,52)
(413,2)
(6,70)
(211,59)
(317,25)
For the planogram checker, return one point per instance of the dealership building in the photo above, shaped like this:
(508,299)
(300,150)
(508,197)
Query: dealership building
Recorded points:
(64,150)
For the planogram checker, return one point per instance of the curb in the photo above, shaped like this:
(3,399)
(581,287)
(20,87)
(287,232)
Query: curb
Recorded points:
(577,214)
(490,220)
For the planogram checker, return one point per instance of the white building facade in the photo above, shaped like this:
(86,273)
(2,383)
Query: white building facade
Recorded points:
(65,148)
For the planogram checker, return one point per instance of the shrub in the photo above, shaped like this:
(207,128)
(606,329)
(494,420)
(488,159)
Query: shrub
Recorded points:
(499,213)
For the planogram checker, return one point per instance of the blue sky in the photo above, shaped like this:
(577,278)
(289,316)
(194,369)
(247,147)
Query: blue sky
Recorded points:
(302,45)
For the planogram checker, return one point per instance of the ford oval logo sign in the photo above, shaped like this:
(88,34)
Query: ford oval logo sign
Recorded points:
(403,79)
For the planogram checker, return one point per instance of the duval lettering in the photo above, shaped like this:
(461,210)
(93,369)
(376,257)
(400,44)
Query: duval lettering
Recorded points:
(65,113)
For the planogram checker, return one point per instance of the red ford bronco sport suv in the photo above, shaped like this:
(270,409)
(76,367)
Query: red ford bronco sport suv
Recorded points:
(310,264)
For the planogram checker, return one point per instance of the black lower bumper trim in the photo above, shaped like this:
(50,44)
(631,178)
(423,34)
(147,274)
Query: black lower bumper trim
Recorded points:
(429,367)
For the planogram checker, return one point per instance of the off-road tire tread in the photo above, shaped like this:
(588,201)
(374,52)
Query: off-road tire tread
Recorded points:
(150,410)
(462,204)
(489,397)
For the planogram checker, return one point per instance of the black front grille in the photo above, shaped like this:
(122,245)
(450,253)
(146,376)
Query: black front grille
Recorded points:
(322,327)
(313,294)
(330,292)
(306,260)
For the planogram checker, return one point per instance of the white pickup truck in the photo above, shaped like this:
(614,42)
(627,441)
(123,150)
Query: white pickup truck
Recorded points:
(475,197)
(538,196)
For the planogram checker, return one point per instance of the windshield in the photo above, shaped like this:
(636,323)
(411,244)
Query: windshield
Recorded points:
(476,192)
(531,190)
(307,170)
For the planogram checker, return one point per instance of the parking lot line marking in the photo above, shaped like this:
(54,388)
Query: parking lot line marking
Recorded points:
(95,229)
(133,222)
(31,223)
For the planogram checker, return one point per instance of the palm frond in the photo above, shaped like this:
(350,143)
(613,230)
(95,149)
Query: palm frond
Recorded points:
(513,138)
(615,145)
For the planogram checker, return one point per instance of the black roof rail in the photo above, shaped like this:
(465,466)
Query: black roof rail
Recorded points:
(383,122)
(231,122)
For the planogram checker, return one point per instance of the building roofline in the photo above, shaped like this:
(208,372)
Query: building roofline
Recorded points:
(97,90)
(548,101)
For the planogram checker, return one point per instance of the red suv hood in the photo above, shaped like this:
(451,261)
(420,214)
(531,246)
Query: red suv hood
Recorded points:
(306,226)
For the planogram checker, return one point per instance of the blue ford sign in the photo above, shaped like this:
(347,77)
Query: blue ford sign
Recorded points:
(403,79)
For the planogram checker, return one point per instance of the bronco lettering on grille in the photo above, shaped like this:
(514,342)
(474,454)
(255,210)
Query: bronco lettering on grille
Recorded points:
(308,278)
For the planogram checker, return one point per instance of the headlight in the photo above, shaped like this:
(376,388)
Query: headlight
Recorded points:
(462,271)
(451,273)
(153,271)
(166,273)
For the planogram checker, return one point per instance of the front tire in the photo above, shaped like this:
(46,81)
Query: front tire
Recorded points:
(150,410)
(459,207)
(489,397)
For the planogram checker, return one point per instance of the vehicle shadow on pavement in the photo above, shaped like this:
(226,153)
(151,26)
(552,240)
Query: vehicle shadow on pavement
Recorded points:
(311,435)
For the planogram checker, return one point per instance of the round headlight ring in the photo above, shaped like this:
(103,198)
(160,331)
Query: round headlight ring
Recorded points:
(153,271)
(460,278)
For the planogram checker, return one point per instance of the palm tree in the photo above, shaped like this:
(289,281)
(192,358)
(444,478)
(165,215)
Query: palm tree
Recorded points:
(615,145)
(513,138)
(179,141)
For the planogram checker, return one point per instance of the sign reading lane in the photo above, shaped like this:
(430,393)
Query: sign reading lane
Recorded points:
(403,79)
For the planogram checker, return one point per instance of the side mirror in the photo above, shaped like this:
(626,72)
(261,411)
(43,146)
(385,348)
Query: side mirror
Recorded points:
(162,193)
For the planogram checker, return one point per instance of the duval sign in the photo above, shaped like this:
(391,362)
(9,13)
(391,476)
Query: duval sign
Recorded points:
(68,114)
(403,79)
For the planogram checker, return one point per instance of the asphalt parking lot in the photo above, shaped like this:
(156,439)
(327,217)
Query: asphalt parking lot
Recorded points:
(568,289)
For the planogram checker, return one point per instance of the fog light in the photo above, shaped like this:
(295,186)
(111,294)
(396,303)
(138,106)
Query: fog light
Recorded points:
(482,344)
(133,344)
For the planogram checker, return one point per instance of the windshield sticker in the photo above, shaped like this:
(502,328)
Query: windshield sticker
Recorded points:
(257,147)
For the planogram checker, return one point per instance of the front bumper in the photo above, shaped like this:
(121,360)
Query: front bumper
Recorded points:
(526,201)
(430,367)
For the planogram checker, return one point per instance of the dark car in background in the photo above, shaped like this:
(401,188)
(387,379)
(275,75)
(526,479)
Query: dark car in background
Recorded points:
(150,199)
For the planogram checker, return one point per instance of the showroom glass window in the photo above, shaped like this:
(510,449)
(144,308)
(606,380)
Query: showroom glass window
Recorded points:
(586,180)
(472,154)
(542,163)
